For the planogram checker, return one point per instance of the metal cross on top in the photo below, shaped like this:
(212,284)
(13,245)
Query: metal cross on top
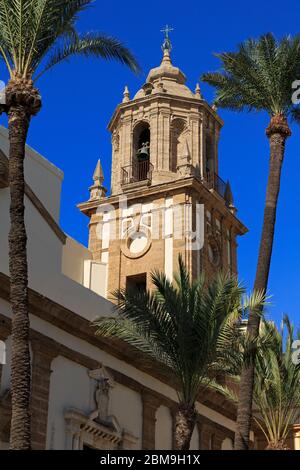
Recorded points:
(167,29)
(167,46)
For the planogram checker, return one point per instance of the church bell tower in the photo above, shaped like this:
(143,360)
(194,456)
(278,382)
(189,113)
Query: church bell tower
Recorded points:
(167,197)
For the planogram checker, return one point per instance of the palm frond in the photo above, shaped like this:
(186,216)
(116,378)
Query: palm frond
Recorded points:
(135,336)
(258,76)
(38,34)
(224,390)
(92,45)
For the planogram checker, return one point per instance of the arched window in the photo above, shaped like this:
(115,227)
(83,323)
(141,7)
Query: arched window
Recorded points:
(141,151)
(141,138)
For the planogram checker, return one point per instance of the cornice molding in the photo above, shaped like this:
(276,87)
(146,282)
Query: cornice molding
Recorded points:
(163,97)
(169,186)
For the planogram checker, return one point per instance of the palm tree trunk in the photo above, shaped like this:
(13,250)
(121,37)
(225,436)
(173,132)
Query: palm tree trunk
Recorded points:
(277,132)
(185,421)
(20,370)
(279,445)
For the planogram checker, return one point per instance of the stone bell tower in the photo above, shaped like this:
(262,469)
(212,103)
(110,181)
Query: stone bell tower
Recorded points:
(166,195)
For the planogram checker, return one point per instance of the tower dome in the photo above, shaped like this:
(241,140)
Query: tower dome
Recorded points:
(166,77)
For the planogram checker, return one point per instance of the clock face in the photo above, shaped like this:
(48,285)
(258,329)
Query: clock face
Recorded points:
(214,253)
(136,243)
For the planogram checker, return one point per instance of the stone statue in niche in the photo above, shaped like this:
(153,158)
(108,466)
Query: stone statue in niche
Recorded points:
(101,396)
(102,399)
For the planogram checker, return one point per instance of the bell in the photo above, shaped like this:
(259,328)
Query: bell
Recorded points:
(144,152)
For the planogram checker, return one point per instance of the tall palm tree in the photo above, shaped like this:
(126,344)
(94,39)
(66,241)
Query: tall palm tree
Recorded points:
(35,35)
(259,77)
(185,327)
(276,393)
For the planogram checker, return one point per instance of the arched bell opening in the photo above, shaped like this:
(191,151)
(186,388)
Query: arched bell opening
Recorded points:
(141,151)
(141,140)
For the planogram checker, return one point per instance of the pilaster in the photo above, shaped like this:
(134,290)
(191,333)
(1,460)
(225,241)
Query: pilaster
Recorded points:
(150,406)
(43,355)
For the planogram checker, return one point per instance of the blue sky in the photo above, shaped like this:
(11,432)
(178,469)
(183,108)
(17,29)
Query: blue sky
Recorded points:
(80,96)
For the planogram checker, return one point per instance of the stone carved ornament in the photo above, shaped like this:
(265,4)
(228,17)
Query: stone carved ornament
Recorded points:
(98,430)
(104,384)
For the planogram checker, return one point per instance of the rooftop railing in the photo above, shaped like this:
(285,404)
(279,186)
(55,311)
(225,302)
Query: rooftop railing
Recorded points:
(215,182)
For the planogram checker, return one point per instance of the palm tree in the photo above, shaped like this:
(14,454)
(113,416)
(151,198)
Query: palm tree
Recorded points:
(259,77)
(276,386)
(276,392)
(35,35)
(186,328)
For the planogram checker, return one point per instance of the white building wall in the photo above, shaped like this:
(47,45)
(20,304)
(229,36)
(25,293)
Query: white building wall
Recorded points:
(43,246)
(73,257)
(95,277)
(45,264)
(70,387)
(43,177)
(126,406)
(163,429)
(195,439)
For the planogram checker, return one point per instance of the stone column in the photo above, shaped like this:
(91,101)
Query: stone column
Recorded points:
(154,152)
(126,150)
(165,164)
(206,437)
(150,406)
(43,355)
(195,141)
